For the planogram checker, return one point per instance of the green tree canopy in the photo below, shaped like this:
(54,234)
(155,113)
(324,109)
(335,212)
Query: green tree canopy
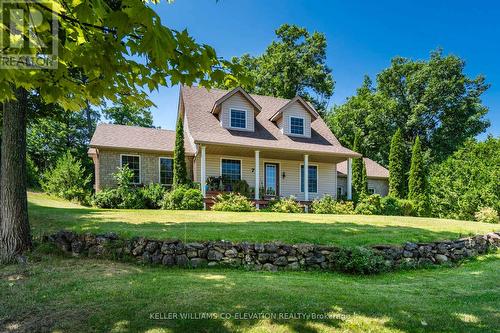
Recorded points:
(125,114)
(370,113)
(433,99)
(467,180)
(294,64)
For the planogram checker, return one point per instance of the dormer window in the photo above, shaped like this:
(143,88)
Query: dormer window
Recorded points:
(296,126)
(238,118)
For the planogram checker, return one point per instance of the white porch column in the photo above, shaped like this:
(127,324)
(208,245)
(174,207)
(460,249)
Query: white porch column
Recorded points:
(306,177)
(349,179)
(257,174)
(203,179)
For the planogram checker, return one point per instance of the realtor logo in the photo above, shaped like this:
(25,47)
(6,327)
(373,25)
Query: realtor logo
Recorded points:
(29,35)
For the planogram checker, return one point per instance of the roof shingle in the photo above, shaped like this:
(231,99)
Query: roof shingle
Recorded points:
(136,138)
(204,127)
(373,169)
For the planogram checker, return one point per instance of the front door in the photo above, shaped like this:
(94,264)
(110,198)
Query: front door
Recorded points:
(271,178)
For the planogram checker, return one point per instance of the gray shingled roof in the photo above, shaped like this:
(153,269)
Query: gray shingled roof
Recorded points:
(136,138)
(204,127)
(373,169)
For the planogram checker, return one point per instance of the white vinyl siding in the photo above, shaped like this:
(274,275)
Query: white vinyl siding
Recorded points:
(237,102)
(290,185)
(298,111)
(380,186)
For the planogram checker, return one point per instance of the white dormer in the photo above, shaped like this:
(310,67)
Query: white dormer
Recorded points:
(295,118)
(237,110)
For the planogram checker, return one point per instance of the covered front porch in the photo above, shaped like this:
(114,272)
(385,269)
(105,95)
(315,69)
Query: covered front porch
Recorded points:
(271,173)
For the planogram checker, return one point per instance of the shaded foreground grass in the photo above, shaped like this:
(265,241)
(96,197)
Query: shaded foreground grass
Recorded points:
(48,214)
(84,295)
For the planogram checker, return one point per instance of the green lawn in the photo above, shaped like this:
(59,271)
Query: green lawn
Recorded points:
(48,214)
(58,294)
(82,295)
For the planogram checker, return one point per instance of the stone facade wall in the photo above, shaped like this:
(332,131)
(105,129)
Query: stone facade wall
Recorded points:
(262,256)
(110,161)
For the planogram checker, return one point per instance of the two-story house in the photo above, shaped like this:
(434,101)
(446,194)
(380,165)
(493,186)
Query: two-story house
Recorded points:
(276,145)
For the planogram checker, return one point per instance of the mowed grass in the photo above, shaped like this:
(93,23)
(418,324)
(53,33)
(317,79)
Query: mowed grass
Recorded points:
(57,294)
(49,214)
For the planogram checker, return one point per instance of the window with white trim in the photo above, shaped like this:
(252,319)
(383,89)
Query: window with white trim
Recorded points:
(134,163)
(297,125)
(230,170)
(312,178)
(371,190)
(166,171)
(238,118)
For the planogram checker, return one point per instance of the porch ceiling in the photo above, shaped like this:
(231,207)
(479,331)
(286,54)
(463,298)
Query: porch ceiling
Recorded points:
(284,154)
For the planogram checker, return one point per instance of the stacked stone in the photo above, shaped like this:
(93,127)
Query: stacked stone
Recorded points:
(261,256)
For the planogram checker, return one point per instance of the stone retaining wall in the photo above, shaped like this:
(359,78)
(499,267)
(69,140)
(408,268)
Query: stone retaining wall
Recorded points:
(262,256)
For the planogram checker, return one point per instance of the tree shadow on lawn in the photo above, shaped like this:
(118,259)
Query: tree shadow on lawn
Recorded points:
(119,297)
(49,219)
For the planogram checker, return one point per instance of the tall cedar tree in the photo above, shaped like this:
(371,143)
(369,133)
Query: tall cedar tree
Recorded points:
(357,170)
(397,172)
(180,173)
(364,179)
(417,181)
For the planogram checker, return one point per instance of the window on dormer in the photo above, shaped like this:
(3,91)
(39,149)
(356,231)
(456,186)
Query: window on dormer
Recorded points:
(297,125)
(238,118)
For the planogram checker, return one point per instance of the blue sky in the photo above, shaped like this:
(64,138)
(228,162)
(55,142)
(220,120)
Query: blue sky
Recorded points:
(362,37)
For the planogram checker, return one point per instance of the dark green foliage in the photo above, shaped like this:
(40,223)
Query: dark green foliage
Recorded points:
(107,198)
(33,175)
(434,99)
(173,198)
(131,199)
(241,187)
(295,64)
(183,198)
(370,113)
(369,205)
(233,202)
(193,199)
(124,177)
(390,206)
(285,205)
(358,260)
(67,179)
(124,113)
(397,207)
(180,171)
(153,195)
(125,196)
(417,181)
(397,166)
(52,132)
(467,181)
(328,205)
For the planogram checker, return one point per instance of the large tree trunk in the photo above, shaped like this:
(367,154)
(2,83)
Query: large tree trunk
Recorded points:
(15,237)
